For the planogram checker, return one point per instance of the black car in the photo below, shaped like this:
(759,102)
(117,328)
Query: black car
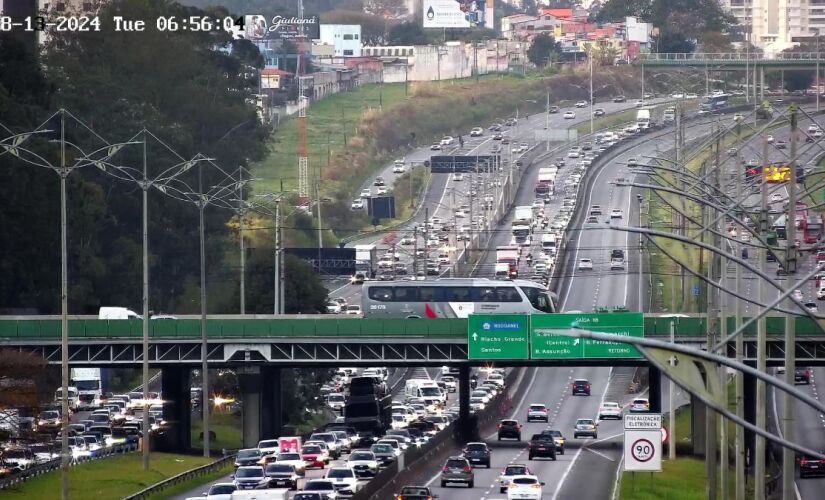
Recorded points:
(802,375)
(477,454)
(811,466)
(553,109)
(414,493)
(509,429)
(246,457)
(581,386)
(281,476)
(542,445)
(495,127)
(619,98)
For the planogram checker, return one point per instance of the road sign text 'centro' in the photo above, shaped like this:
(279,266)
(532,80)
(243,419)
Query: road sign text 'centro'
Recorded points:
(546,341)
(500,336)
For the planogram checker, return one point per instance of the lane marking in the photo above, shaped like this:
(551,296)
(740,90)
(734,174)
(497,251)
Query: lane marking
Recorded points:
(599,453)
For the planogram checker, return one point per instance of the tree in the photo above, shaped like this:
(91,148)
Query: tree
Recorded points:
(407,33)
(25,383)
(304,292)
(543,50)
(714,41)
(689,17)
(674,42)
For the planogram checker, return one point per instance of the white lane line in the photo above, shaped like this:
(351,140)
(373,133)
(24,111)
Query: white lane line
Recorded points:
(576,456)
(599,454)
(608,438)
(617,480)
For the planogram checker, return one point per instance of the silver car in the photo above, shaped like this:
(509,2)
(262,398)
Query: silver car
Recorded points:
(585,427)
(457,470)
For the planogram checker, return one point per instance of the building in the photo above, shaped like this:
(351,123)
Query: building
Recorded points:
(776,25)
(345,38)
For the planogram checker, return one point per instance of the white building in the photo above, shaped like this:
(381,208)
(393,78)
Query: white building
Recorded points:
(346,38)
(776,25)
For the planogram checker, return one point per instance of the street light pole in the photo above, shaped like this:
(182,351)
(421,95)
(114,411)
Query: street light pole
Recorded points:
(145,414)
(241,213)
(547,123)
(277,284)
(590,57)
(65,454)
(204,343)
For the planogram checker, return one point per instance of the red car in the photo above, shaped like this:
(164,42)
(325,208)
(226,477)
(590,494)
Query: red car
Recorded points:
(314,456)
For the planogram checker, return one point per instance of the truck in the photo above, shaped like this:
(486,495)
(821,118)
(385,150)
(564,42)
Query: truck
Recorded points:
(366,263)
(669,115)
(523,214)
(89,387)
(522,224)
(369,415)
(643,119)
(509,256)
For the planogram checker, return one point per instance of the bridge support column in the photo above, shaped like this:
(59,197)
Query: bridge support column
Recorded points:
(750,416)
(271,410)
(654,377)
(466,425)
(251,389)
(175,390)
(698,426)
(761,83)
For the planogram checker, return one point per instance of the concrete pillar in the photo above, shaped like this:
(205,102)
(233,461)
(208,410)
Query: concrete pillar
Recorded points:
(271,410)
(750,416)
(698,427)
(177,409)
(251,389)
(654,377)
(467,428)
(761,83)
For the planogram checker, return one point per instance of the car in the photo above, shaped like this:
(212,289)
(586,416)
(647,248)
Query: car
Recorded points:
(619,98)
(585,427)
(294,459)
(753,162)
(558,439)
(598,112)
(363,462)
(384,453)
(581,104)
(379,181)
(780,144)
(811,306)
(691,95)
(585,264)
(524,488)
(249,477)
(357,204)
(677,95)
(538,411)
(382,191)
(314,456)
(640,103)
(476,132)
(353,310)
(505,140)
(610,410)
(820,294)
(366,193)
(325,487)
(414,493)
(436,146)
(343,479)
(776,197)
(398,168)
(457,470)
(769,139)
(220,491)
(309,495)
(797,294)
(553,109)
(541,445)
(495,127)
(249,456)
(509,429)
(447,140)
(281,476)
(580,386)
(477,454)
(802,375)
(569,115)
(595,210)
(811,466)
(510,122)
(509,472)
(639,405)
(592,220)
(616,213)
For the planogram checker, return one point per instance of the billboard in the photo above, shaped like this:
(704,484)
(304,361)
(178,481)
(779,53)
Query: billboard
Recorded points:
(330,261)
(636,31)
(454,13)
(257,27)
(381,207)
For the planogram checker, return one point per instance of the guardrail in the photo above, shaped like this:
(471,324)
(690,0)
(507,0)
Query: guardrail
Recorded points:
(51,465)
(179,478)
(728,56)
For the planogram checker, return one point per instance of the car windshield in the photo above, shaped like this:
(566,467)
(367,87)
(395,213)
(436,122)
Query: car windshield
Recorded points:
(268,444)
(340,473)
(14,454)
(640,401)
(306,496)
(537,407)
(456,463)
(611,405)
(222,489)
(584,422)
(49,415)
(289,456)
(251,472)
(319,485)
(363,455)
(276,467)
(554,433)
(515,470)
(250,453)
(525,480)
(381,448)
(311,449)
(476,447)
(430,391)
(336,397)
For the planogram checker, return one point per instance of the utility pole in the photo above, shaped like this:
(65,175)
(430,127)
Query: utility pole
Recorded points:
(681,220)
(722,276)
(671,447)
(426,238)
(241,212)
(320,230)
(761,342)
(711,419)
(277,286)
(590,57)
(788,456)
(740,345)
(547,123)
(145,299)
(415,251)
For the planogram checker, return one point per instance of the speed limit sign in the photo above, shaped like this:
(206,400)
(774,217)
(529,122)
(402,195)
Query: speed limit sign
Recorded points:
(643,443)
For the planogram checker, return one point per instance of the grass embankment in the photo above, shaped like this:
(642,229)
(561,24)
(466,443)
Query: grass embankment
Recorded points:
(193,483)
(111,478)
(227,429)
(352,134)
(608,121)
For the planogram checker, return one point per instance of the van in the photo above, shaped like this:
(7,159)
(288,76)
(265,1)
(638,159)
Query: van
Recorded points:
(117,313)
(548,243)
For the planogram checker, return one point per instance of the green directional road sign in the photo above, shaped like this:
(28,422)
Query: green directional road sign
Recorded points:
(498,336)
(546,343)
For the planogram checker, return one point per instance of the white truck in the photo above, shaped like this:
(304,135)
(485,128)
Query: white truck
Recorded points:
(89,387)
(366,262)
(669,115)
(522,224)
(643,118)
(428,390)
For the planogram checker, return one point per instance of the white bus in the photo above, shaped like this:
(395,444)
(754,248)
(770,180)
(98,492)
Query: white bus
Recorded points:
(455,298)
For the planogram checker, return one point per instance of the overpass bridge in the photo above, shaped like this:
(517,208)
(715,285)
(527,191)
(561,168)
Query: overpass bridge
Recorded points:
(730,61)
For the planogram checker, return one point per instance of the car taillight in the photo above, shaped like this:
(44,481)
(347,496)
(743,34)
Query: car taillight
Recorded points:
(445,469)
(537,486)
(804,461)
(467,468)
(587,386)
(499,426)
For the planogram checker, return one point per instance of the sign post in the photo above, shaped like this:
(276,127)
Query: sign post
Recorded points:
(498,336)
(643,442)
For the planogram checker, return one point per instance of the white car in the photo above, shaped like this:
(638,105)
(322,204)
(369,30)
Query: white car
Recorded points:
(353,309)
(616,213)
(677,95)
(333,308)
(366,193)
(294,459)
(797,294)
(820,294)
(407,241)
(585,264)
(447,140)
(776,197)
(398,168)
(569,115)
(382,190)
(357,204)
(399,421)
(610,410)
(769,139)
(639,405)
(343,479)
(477,132)
(691,96)
(640,103)
(538,411)
(581,104)
(363,462)
(336,401)
(220,491)
(323,486)
(524,488)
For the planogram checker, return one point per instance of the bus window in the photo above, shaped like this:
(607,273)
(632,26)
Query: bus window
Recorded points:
(457,294)
(428,294)
(381,293)
(508,294)
(484,294)
(405,294)
(538,299)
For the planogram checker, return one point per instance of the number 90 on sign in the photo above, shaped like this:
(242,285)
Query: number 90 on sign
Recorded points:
(642,450)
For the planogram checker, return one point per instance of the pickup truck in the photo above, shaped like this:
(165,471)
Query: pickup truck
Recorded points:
(415,493)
